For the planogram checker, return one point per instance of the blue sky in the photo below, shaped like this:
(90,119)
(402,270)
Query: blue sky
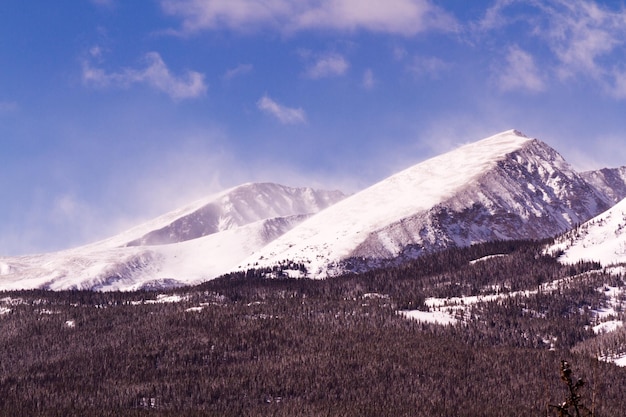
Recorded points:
(114,111)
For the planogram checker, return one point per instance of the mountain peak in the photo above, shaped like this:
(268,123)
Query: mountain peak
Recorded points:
(202,240)
(506,186)
(515,132)
(511,137)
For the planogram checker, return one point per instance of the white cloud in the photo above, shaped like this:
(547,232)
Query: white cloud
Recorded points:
(284,114)
(520,72)
(430,66)
(155,74)
(96,51)
(239,70)
(580,33)
(405,17)
(368,79)
(585,39)
(399,53)
(588,40)
(494,17)
(329,65)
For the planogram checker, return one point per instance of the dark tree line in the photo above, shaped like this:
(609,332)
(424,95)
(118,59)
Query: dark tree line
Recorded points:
(247,345)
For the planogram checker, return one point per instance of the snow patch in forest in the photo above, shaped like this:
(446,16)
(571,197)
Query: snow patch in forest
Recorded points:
(615,304)
(12,301)
(485,258)
(607,326)
(436,317)
(620,361)
(164,298)
(449,310)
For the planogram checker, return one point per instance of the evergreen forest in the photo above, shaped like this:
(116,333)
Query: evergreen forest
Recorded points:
(249,345)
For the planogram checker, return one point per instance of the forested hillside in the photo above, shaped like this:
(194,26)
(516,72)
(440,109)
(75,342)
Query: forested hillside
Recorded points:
(248,345)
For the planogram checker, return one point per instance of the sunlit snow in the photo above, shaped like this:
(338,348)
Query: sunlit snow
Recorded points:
(608,326)
(437,317)
(250,210)
(334,233)
(601,239)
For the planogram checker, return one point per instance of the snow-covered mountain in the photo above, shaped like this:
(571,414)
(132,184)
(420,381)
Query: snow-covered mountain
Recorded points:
(203,240)
(608,181)
(507,186)
(237,207)
(601,239)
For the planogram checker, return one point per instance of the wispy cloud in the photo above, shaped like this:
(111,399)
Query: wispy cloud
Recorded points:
(495,16)
(520,72)
(399,53)
(580,32)
(585,40)
(329,65)
(427,66)
(67,208)
(155,73)
(369,81)
(618,89)
(239,70)
(405,17)
(285,115)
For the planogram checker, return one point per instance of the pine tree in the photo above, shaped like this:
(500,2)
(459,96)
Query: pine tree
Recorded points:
(572,406)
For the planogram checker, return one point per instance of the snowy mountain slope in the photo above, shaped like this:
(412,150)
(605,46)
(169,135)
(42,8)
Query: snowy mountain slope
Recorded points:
(241,220)
(601,239)
(608,181)
(225,210)
(240,206)
(507,186)
(128,268)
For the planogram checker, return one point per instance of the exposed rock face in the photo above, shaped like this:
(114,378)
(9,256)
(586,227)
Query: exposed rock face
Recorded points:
(530,194)
(504,187)
(507,186)
(608,181)
(241,206)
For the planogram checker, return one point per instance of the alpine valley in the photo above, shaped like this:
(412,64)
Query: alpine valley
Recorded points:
(505,187)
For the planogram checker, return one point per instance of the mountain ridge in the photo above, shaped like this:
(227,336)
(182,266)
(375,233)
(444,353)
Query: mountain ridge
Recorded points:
(504,187)
(113,264)
(609,181)
(507,186)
